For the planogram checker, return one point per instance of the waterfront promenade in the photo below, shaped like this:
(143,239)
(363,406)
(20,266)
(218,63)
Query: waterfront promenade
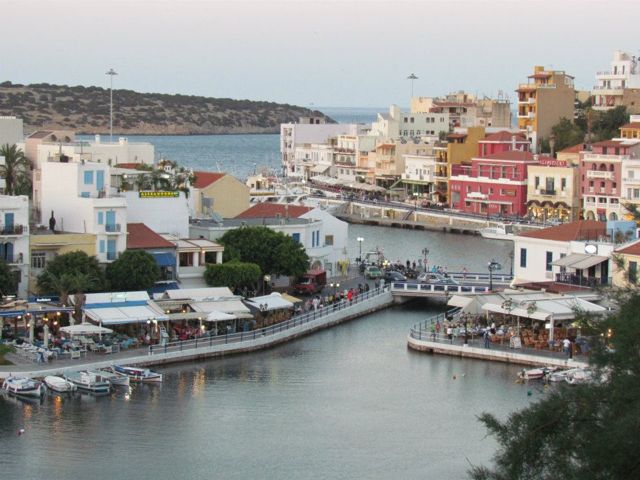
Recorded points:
(216,346)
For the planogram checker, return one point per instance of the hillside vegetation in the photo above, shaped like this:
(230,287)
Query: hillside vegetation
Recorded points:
(86,110)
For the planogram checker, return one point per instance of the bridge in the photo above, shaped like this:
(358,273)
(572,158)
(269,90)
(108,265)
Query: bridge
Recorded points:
(469,284)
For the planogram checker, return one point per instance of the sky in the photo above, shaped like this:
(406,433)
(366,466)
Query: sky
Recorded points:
(351,53)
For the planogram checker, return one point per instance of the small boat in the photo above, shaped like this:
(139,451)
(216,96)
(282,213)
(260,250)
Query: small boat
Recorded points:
(580,376)
(115,379)
(23,386)
(536,373)
(59,384)
(138,374)
(89,382)
(503,231)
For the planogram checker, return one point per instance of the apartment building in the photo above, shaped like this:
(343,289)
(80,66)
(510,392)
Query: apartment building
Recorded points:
(397,125)
(547,97)
(14,240)
(619,86)
(553,190)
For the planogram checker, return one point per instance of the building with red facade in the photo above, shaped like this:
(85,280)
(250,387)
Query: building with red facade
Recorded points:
(492,185)
(501,142)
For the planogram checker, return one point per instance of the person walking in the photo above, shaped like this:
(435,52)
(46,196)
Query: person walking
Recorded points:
(566,346)
(487,339)
(464,274)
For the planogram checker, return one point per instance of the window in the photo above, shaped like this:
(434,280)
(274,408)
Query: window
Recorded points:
(563,184)
(102,246)
(100,218)
(633,272)
(88,177)
(186,259)
(38,260)
(411,119)
(328,239)
(537,182)
(296,237)
(549,260)
(631,173)
(523,258)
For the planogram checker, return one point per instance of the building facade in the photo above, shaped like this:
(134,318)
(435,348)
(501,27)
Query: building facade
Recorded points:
(619,86)
(14,240)
(553,190)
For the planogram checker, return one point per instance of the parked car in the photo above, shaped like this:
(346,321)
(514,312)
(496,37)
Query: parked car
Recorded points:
(372,272)
(436,278)
(393,276)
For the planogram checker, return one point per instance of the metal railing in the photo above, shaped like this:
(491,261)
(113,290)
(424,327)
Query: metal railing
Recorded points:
(297,320)
(12,229)
(435,288)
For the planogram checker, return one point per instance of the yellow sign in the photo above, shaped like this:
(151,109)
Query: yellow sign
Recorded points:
(162,194)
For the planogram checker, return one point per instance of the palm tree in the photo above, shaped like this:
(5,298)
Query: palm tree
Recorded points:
(76,283)
(15,170)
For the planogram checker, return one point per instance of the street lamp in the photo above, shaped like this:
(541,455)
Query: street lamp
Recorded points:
(360,240)
(492,266)
(415,200)
(266,279)
(511,263)
(425,252)
(111,74)
(412,77)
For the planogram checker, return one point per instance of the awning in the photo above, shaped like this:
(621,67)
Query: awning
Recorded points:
(124,314)
(12,313)
(320,168)
(164,259)
(579,261)
(85,329)
(518,312)
(216,316)
(291,298)
(272,302)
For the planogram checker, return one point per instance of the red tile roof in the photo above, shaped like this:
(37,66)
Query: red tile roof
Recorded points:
(609,143)
(130,165)
(504,136)
(204,179)
(272,210)
(574,149)
(633,249)
(139,236)
(635,125)
(516,155)
(579,230)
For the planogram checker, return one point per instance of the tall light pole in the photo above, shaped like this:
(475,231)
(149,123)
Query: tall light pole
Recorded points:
(412,77)
(425,253)
(360,240)
(492,266)
(111,74)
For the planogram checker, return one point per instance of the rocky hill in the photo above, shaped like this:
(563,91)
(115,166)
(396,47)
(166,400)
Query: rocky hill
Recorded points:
(86,110)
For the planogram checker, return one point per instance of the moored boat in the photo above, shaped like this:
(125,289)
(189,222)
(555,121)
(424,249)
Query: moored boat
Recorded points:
(536,373)
(23,386)
(579,376)
(500,232)
(59,384)
(138,374)
(116,379)
(89,382)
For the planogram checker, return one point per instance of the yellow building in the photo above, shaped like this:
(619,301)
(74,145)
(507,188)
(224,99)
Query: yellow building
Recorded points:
(632,129)
(461,147)
(543,101)
(626,261)
(553,190)
(44,246)
(220,193)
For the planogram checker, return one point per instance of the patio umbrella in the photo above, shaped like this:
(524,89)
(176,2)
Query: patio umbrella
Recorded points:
(85,329)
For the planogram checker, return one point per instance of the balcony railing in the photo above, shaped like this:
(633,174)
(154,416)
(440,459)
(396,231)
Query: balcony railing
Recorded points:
(112,228)
(12,259)
(600,174)
(112,256)
(12,229)
(590,282)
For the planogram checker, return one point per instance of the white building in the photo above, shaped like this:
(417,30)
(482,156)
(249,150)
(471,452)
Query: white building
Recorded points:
(294,135)
(419,174)
(397,124)
(14,239)
(576,253)
(162,212)
(79,197)
(618,86)
(11,130)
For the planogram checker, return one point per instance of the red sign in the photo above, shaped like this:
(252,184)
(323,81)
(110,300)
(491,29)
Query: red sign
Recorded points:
(551,162)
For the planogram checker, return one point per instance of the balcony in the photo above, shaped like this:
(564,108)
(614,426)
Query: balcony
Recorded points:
(607,175)
(13,230)
(527,101)
(113,228)
(527,115)
(629,180)
(573,279)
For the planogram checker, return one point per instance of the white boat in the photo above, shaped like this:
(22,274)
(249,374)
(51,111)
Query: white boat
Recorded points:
(138,374)
(580,376)
(115,379)
(536,373)
(503,231)
(23,387)
(89,382)
(59,384)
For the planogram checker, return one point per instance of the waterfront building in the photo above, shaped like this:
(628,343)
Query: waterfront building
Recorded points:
(387,160)
(398,125)
(571,155)
(193,256)
(218,193)
(45,245)
(11,130)
(418,178)
(458,148)
(553,190)
(141,237)
(314,158)
(625,273)
(502,141)
(547,97)
(576,253)
(14,239)
(350,153)
(619,86)
(493,185)
(466,110)
(602,186)
(308,131)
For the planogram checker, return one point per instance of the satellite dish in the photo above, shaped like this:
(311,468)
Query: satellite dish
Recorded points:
(590,249)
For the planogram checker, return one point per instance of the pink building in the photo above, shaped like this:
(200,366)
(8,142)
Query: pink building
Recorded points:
(495,185)
(502,142)
(601,177)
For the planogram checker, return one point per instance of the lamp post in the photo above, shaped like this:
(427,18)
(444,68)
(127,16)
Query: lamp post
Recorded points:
(360,240)
(511,263)
(111,74)
(265,281)
(492,266)
(412,77)
(425,253)
(415,200)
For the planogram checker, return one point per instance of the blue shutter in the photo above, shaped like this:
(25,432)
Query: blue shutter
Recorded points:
(111,249)
(111,220)
(296,237)
(88,177)
(100,218)
(102,246)
(8,221)
(100,179)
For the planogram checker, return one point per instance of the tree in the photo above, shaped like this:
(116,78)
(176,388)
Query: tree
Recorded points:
(59,273)
(15,170)
(8,284)
(607,124)
(585,431)
(566,134)
(134,270)
(274,252)
(235,275)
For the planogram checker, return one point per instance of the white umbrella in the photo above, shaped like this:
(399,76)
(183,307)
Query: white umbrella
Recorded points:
(216,316)
(85,329)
